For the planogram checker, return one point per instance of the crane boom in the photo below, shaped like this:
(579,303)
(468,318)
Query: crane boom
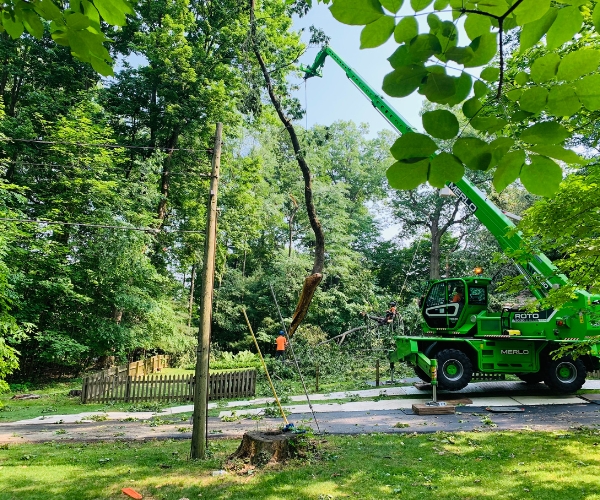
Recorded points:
(474,199)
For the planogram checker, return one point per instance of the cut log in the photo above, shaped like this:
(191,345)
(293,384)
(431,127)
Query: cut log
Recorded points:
(26,396)
(260,448)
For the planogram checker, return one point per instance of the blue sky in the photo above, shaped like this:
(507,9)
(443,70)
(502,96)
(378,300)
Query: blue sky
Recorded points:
(334,97)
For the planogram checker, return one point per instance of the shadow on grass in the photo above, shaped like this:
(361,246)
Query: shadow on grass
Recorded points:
(518,465)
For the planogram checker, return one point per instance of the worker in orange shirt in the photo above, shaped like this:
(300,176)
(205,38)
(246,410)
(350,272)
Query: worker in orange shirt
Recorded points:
(281,342)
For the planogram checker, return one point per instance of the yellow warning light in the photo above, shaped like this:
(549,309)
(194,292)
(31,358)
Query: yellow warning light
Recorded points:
(478,270)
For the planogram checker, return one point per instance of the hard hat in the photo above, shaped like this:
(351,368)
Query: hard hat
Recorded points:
(392,304)
(281,332)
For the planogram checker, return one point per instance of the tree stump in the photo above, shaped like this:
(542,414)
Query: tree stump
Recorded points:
(260,448)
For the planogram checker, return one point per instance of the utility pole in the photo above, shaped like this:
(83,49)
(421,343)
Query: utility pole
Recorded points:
(208,275)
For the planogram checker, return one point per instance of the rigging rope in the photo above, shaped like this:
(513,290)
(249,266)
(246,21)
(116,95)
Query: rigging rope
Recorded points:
(295,359)
(266,369)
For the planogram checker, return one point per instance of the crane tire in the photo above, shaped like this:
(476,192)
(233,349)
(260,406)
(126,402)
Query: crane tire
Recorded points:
(454,370)
(565,374)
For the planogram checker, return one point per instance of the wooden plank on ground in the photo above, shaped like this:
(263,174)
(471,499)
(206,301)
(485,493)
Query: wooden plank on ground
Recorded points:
(423,409)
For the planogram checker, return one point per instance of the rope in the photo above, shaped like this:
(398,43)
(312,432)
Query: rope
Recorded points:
(265,367)
(410,267)
(295,360)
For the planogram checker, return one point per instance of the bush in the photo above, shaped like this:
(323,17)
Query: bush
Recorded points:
(225,360)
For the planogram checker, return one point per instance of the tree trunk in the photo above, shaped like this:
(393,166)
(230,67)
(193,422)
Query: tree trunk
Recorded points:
(311,282)
(260,448)
(434,265)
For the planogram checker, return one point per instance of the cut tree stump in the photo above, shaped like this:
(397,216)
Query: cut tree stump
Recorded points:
(260,448)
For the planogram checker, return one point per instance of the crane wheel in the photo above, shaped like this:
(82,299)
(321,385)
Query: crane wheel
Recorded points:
(455,370)
(565,374)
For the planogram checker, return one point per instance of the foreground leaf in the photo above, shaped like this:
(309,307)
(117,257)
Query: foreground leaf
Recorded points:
(356,12)
(563,101)
(542,176)
(438,87)
(509,169)
(534,99)
(418,5)
(568,22)
(406,29)
(544,68)
(531,10)
(113,11)
(471,107)
(484,50)
(441,124)
(462,86)
(578,63)
(404,80)
(413,145)
(473,152)
(405,175)
(377,33)
(392,5)
(443,168)
(559,153)
(533,32)
(545,133)
(588,91)
(477,25)
(500,147)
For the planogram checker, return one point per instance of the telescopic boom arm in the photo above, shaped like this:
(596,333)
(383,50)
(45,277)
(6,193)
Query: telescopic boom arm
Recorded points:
(475,200)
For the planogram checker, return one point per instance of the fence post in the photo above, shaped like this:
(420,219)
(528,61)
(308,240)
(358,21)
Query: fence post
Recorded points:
(317,378)
(84,386)
(377,373)
(128,388)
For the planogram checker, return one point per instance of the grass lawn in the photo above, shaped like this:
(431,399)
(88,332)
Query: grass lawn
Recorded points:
(502,465)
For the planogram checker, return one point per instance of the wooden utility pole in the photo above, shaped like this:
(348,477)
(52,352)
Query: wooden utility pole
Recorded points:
(208,276)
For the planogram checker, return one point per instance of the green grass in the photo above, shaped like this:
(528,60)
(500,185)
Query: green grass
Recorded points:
(493,465)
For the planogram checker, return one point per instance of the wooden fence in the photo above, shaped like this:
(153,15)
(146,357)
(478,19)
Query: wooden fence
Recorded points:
(164,388)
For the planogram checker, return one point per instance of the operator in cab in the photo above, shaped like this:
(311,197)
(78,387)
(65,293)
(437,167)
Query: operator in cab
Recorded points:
(459,294)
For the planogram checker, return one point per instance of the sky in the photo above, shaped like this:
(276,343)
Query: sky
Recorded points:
(334,97)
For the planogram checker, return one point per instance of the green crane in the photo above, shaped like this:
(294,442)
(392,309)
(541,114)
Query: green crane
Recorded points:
(459,333)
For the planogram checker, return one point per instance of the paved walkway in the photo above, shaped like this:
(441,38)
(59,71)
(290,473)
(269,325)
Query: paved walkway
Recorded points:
(492,408)
(496,394)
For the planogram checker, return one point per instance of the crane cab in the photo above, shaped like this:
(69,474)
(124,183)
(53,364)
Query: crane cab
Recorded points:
(449,302)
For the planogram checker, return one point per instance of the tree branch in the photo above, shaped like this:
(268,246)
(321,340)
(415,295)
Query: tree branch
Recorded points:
(471,11)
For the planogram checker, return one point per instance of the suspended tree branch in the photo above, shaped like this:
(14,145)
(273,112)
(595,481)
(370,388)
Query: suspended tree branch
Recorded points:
(311,282)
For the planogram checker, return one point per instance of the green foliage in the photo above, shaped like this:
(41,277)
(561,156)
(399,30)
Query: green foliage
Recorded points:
(567,226)
(557,84)
(77,27)
(224,360)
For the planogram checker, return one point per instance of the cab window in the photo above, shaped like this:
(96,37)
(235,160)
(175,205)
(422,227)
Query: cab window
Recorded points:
(477,295)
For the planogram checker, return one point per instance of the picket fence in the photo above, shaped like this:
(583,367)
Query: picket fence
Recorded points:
(103,388)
